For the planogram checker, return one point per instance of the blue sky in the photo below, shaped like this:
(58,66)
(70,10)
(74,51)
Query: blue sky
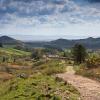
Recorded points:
(48,19)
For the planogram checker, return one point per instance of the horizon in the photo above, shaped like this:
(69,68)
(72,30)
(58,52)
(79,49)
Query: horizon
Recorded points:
(30,38)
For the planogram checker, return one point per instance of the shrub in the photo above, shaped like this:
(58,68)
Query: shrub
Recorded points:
(93,61)
(36,54)
(38,63)
(53,67)
(53,70)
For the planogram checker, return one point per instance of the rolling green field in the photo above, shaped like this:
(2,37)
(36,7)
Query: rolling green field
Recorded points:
(11,51)
(13,56)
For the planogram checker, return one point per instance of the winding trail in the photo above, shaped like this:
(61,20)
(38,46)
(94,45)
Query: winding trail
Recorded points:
(89,89)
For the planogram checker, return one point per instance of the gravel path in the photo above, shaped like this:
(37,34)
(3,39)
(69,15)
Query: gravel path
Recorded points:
(89,89)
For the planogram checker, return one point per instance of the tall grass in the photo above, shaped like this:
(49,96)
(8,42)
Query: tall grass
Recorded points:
(49,67)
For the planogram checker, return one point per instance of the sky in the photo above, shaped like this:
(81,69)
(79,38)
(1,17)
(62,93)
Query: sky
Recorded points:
(50,19)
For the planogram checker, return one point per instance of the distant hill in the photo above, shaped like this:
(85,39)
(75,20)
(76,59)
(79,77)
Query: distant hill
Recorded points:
(62,43)
(90,43)
(6,40)
(36,44)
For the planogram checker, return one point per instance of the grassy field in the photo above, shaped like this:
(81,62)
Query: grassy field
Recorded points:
(38,87)
(11,51)
(13,56)
(37,83)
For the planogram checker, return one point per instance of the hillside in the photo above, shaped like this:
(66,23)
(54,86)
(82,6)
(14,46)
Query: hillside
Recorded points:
(37,83)
(90,43)
(11,51)
(6,40)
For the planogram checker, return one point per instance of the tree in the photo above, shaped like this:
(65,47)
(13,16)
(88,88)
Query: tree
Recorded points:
(79,53)
(4,59)
(64,54)
(1,45)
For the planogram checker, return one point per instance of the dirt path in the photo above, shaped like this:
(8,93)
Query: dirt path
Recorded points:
(5,76)
(89,89)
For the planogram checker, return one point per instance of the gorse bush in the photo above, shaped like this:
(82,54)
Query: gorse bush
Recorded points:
(49,67)
(53,67)
(90,73)
(93,61)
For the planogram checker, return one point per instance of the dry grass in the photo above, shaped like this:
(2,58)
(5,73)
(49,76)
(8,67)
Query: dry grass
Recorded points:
(93,73)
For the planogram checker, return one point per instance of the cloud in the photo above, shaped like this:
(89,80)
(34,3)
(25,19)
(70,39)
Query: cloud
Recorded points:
(48,11)
(94,1)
